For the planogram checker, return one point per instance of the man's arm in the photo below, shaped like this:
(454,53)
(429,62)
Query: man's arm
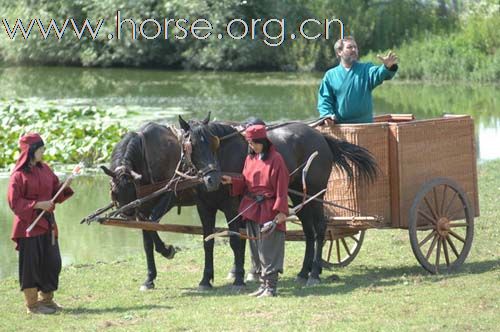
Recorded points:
(378,74)
(326,98)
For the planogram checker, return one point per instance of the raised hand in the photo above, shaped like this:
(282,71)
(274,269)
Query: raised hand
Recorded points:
(389,60)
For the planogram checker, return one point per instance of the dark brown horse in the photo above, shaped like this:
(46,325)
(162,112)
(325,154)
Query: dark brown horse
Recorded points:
(151,155)
(216,148)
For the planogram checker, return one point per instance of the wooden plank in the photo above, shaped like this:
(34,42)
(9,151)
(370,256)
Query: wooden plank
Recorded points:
(291,235)
(394,184)
(151,226)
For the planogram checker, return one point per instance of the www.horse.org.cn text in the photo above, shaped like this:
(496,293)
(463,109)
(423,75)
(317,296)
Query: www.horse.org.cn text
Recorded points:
(271,31)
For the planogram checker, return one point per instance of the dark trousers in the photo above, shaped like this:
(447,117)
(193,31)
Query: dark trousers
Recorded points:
(268,252)
(39,263)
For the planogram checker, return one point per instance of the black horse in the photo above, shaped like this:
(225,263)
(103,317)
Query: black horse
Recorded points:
(150,156)
(296,142)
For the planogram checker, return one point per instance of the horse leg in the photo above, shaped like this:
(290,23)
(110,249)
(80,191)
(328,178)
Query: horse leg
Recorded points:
(161,207)
(157,212)
(319,230)
(207,216)
(150,259)
(238,247)
(166,251)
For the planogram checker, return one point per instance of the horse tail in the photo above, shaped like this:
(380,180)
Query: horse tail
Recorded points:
(346,154)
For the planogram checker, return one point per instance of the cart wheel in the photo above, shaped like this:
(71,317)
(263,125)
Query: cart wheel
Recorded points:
(441,226)
(342,250)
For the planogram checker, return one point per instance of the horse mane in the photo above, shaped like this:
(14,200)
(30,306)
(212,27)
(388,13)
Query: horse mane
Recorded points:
(128,152)
(216,128)
(221,129)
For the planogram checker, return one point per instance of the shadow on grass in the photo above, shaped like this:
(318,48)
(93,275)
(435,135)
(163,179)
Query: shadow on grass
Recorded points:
(378,277)
(222,290)
(97,311)
(351,278)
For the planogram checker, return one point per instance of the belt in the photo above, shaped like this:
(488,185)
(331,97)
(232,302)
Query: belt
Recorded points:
(259,198)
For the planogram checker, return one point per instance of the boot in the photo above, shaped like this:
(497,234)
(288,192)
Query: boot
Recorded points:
(32,305)
(271,281)
(47,300)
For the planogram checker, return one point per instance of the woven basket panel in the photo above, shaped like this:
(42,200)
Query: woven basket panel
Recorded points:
(368,199)
(434,148)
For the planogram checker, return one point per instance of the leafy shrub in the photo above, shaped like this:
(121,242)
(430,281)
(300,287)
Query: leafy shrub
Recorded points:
(71,136)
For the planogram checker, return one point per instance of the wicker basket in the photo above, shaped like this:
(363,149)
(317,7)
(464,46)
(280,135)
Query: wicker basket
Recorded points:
(427,149)
(368,199)
(409,154)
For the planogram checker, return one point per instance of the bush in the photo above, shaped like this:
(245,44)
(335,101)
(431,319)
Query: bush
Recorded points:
(76,135)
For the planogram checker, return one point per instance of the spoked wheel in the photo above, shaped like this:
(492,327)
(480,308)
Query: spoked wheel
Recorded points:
(441,226)
(341,250)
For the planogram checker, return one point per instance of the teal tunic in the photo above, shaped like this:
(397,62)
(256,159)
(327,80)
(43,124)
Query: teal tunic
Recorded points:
(348,93)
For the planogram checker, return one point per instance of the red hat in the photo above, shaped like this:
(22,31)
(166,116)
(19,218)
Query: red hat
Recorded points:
(24,144)
(256,132)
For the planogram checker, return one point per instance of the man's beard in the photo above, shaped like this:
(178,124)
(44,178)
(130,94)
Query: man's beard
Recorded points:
(350,59)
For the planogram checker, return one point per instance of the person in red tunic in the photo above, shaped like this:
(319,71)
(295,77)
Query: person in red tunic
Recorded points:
(264,186)
(32,185)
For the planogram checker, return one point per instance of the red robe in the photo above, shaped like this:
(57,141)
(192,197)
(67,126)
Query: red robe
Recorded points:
(25,190)
(268,177)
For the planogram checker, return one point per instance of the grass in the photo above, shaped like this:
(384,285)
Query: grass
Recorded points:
(384,289)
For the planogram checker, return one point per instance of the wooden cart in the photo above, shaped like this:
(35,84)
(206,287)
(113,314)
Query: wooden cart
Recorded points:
(427,185)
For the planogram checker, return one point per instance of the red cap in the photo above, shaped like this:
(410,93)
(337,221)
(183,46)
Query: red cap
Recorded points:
(24,144)
(256,132)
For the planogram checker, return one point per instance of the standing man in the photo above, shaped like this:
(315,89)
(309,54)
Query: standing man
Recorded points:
(346,90)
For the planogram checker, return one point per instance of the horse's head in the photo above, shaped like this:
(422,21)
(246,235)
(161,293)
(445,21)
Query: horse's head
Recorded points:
(123,184)
(203,151)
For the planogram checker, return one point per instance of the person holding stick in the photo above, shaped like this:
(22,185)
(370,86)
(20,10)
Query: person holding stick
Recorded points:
(265,181)
(32,191)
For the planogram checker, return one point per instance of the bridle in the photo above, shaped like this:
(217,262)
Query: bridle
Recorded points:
(187,152)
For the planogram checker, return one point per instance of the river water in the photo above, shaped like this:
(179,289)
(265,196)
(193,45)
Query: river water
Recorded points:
(144,95)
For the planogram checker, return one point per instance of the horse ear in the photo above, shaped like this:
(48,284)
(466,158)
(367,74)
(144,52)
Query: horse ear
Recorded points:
(108,171)
(135,175)
(184,125)
(207,119)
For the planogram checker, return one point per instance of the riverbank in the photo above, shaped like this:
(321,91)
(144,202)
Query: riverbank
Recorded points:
(384,289)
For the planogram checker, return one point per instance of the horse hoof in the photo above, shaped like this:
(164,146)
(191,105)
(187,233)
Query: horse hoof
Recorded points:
(147,286)
(169,252)
(230,276)
(312,282)
(204,288)
(252,277)
(301,280)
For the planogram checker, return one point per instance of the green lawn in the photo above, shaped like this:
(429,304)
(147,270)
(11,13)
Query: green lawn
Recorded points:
(384,289)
